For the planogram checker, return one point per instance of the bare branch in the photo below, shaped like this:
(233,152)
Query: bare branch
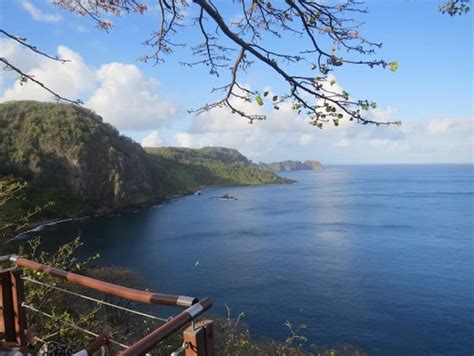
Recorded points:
(327,37)
(24,77)
(22,41)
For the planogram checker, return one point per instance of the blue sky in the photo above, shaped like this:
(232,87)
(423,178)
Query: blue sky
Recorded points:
(432,92)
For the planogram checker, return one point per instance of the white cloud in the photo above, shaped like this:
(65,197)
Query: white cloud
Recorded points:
(283,120)
(70,79)
(343,142)
(128,100)
(219,127)
(81,28)
(17,54)
(439,127)
(382,115)
(442,127)
(306,139)
(389,144)
(284,134)
(119,92)
(184,139)
(153,139)
(38,14)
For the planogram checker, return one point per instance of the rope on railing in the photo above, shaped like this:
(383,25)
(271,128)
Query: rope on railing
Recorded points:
(98,301)
(77,327)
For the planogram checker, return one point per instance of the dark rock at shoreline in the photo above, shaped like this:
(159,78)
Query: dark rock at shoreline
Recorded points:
(224,197)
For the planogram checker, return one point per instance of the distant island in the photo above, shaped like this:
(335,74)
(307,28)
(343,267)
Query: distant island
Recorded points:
(290,166)
(71,158)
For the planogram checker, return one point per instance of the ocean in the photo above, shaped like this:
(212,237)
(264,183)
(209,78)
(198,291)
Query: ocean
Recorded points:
(379,257)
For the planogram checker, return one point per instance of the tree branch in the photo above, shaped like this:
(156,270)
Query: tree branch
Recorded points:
(24,77)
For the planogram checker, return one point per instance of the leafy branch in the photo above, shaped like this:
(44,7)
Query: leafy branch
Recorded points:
(25,77)
(327,35)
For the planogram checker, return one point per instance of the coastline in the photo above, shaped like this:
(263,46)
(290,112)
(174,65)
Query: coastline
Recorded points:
(42,224)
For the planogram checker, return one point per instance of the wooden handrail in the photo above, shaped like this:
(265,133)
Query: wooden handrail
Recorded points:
(194,308)
(106,287)
(177,322)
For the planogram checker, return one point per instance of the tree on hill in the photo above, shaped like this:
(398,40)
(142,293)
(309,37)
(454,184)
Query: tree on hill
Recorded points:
(326,33)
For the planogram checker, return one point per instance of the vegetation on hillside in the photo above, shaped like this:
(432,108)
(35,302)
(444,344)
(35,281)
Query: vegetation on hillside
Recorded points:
(68,154)
(70,162)
(212,166)
(67,310)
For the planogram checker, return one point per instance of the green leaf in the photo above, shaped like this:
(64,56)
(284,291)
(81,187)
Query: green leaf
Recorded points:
(393,66)
(259,100)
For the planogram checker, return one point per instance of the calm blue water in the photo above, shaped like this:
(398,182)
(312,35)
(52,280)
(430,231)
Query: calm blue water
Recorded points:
(380,257)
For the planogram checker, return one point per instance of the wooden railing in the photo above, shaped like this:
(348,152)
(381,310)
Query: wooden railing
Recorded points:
(198,337)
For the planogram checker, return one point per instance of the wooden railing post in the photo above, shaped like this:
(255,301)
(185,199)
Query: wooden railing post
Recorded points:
(2,319)
(18,294)
(199,339)
(12,318)
(8,319)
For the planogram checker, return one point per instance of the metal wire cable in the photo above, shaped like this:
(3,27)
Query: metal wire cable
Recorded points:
(24,305)
(98,301)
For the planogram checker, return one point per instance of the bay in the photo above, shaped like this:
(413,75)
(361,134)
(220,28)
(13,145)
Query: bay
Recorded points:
(380,257)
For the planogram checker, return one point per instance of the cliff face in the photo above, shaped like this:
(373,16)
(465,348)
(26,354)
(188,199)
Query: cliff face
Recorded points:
(64,146)
(67,153)
(291,166)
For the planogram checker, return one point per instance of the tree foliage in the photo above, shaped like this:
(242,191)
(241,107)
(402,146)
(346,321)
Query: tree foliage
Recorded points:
(15,210)
(455,7)
(326,36)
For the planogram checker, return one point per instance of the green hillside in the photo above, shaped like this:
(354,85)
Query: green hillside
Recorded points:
(70,157)
(212,166)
